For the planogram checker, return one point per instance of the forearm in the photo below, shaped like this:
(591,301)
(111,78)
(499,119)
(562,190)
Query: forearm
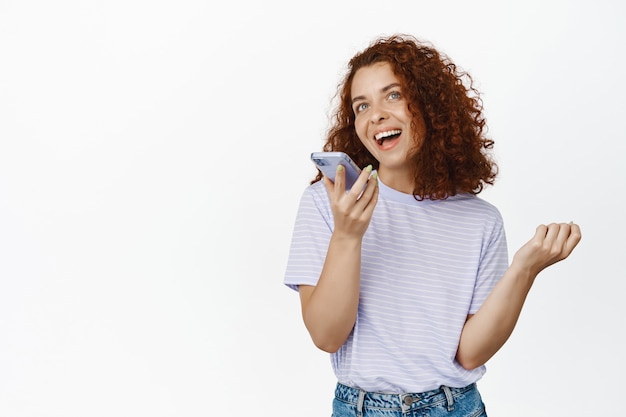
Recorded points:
(330,311)
(486,332)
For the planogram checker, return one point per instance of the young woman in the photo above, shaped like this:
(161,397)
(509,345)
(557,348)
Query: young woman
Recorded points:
(405,279)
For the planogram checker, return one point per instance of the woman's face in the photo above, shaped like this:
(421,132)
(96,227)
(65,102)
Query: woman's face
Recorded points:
(383,120)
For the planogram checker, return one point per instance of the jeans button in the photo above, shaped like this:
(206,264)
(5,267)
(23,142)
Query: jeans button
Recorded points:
(408,400)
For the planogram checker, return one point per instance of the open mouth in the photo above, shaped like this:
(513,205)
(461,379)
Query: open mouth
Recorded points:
(381,137)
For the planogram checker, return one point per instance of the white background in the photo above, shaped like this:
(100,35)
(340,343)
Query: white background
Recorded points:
(152,155)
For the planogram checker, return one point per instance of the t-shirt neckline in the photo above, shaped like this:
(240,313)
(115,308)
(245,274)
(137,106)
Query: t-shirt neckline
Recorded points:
(389,193)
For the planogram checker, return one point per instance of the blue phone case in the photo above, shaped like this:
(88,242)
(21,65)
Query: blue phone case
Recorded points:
(327,163)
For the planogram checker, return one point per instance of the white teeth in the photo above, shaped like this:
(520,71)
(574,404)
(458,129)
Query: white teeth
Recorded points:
(388,133)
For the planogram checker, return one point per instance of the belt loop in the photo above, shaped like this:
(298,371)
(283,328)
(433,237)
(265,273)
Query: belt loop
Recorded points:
(359,404)
(449,397)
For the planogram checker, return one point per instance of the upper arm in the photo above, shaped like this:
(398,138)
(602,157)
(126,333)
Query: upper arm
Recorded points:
(305,295)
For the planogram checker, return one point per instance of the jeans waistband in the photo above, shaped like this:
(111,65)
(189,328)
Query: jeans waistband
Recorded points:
(403,402)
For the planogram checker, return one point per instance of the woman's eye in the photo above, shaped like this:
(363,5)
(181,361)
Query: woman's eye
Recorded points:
(360,107)
(394,95)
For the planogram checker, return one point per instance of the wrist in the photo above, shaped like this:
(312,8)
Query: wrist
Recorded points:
(346,238)
(523,273)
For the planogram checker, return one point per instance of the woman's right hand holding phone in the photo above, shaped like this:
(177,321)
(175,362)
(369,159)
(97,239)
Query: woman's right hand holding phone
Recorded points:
(352,210)
(329,309)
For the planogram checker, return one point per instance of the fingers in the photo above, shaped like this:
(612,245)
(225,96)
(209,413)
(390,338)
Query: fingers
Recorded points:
(558,240)
(550,244)
(541,232)
(337,187)
(340,180)
(369,196)
(372,191)
(352,210)
(330,186)
(574,237)
(361,182)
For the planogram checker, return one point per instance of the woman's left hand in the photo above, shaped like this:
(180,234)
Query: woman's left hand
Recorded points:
(551,244)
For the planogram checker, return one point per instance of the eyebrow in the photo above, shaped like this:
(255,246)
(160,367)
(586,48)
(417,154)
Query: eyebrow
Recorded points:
(382,90)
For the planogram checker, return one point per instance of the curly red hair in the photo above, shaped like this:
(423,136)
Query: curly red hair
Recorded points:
(453,156)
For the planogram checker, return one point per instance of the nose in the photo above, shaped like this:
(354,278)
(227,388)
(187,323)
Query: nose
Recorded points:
(378,114)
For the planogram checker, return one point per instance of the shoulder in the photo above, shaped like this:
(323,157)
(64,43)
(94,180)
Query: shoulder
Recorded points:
(314,201)
(475,205)
(316,189)
(473,214)
(315,194)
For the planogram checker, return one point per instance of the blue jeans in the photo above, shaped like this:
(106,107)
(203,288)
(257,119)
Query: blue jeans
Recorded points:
(445,401)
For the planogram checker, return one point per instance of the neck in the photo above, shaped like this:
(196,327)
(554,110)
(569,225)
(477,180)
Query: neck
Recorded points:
(403,183)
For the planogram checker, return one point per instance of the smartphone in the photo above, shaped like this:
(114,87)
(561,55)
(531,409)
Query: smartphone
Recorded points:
(327,163)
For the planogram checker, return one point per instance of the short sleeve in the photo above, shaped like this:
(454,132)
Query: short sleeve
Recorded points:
(493,264)
(310,238)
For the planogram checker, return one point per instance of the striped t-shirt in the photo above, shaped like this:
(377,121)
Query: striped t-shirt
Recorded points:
(425,266)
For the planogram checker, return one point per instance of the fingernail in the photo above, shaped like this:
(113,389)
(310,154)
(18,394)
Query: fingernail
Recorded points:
(339,168)
(368,168)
